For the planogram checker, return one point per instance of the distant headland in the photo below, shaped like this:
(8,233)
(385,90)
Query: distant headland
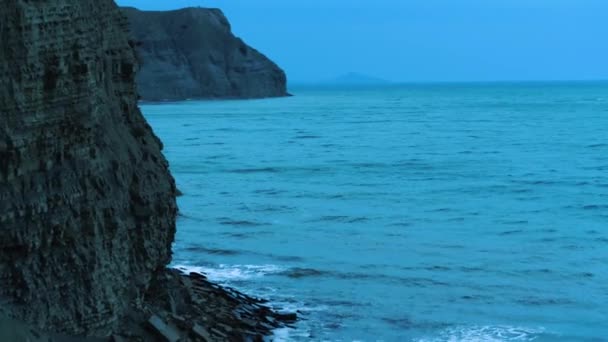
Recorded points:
(192,53)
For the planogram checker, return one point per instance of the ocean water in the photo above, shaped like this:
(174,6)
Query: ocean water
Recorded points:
(455,212)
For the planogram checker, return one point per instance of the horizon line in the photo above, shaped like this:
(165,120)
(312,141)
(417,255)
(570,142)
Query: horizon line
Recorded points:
(393,83)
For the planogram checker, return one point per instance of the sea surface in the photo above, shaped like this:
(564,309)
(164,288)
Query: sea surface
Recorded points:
(437,212)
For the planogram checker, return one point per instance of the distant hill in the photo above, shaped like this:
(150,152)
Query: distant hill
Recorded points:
(353,78)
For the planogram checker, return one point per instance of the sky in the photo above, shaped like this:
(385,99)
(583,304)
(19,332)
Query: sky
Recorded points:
(421,40)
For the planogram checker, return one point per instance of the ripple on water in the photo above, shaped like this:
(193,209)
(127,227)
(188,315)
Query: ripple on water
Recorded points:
(298,272)
(215,251)
(406,323)
(485,333)
(227,273)
(595,207)
(341,218)
(544,301)
(307,137)
(511,232)
(240,223)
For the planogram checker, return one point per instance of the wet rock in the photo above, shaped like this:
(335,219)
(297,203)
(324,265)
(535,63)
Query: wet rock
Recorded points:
(214,313)
(168,333)
(201,332)
(287,317)
(118,338)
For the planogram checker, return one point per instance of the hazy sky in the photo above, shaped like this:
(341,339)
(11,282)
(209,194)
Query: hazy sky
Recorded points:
(422,40)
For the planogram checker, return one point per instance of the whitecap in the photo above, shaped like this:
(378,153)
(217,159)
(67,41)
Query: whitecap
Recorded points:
(223,273)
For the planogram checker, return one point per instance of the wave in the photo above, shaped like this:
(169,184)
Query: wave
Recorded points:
(486,333)
(595,207)
(224,273)
(256,170)
(538,301)
(282,334)
(278,169)
(225,221)
(269,191)
(511,232)
(409,324)
(307,137)
(247,235)
(298,272)
(215,251)
(341,218)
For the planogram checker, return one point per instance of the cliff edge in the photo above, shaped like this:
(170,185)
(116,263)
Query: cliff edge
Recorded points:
(87,203)
(192,53)
(87,209)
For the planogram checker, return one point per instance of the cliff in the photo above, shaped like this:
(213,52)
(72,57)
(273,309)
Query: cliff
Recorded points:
(87,204)
(192,53)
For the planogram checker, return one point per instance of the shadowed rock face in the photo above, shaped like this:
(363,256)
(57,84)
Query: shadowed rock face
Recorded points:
(87,204)
(192,53)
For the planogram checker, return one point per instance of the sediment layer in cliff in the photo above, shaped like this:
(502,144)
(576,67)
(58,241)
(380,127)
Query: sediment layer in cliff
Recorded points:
(192,53)
(87,203)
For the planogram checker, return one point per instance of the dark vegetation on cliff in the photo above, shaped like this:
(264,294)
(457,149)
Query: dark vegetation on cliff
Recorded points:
(192,53)
(87,203)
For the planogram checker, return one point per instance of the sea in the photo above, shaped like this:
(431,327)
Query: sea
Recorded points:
(416,212)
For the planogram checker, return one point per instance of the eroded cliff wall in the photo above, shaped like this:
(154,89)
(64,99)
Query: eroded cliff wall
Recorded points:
(87,204)
(192,53)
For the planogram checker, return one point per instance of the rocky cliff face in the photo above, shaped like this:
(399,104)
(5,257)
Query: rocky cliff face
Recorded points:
(192,53)
(87,204)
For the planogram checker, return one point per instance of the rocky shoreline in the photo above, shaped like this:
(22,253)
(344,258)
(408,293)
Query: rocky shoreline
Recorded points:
(188,307)
(178,307)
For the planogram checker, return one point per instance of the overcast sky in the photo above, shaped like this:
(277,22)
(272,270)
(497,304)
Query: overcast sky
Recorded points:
(421,40)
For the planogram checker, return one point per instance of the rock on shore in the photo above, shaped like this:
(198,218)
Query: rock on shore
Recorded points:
(192,53)
(187,307)
(87,203)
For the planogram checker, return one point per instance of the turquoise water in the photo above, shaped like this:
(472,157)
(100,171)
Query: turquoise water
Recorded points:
(410,213)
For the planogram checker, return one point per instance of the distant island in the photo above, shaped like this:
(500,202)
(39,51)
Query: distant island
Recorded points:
(354,78)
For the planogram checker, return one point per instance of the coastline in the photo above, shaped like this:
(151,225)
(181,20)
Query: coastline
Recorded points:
(177,307)
(180,306)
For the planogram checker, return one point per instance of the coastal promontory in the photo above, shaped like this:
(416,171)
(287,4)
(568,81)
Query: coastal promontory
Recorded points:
(87,202)
(192,53)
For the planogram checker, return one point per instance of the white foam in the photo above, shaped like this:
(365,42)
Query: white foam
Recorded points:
(290,334)
(300,307)
(224,272)
(281,335)
(485,334)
